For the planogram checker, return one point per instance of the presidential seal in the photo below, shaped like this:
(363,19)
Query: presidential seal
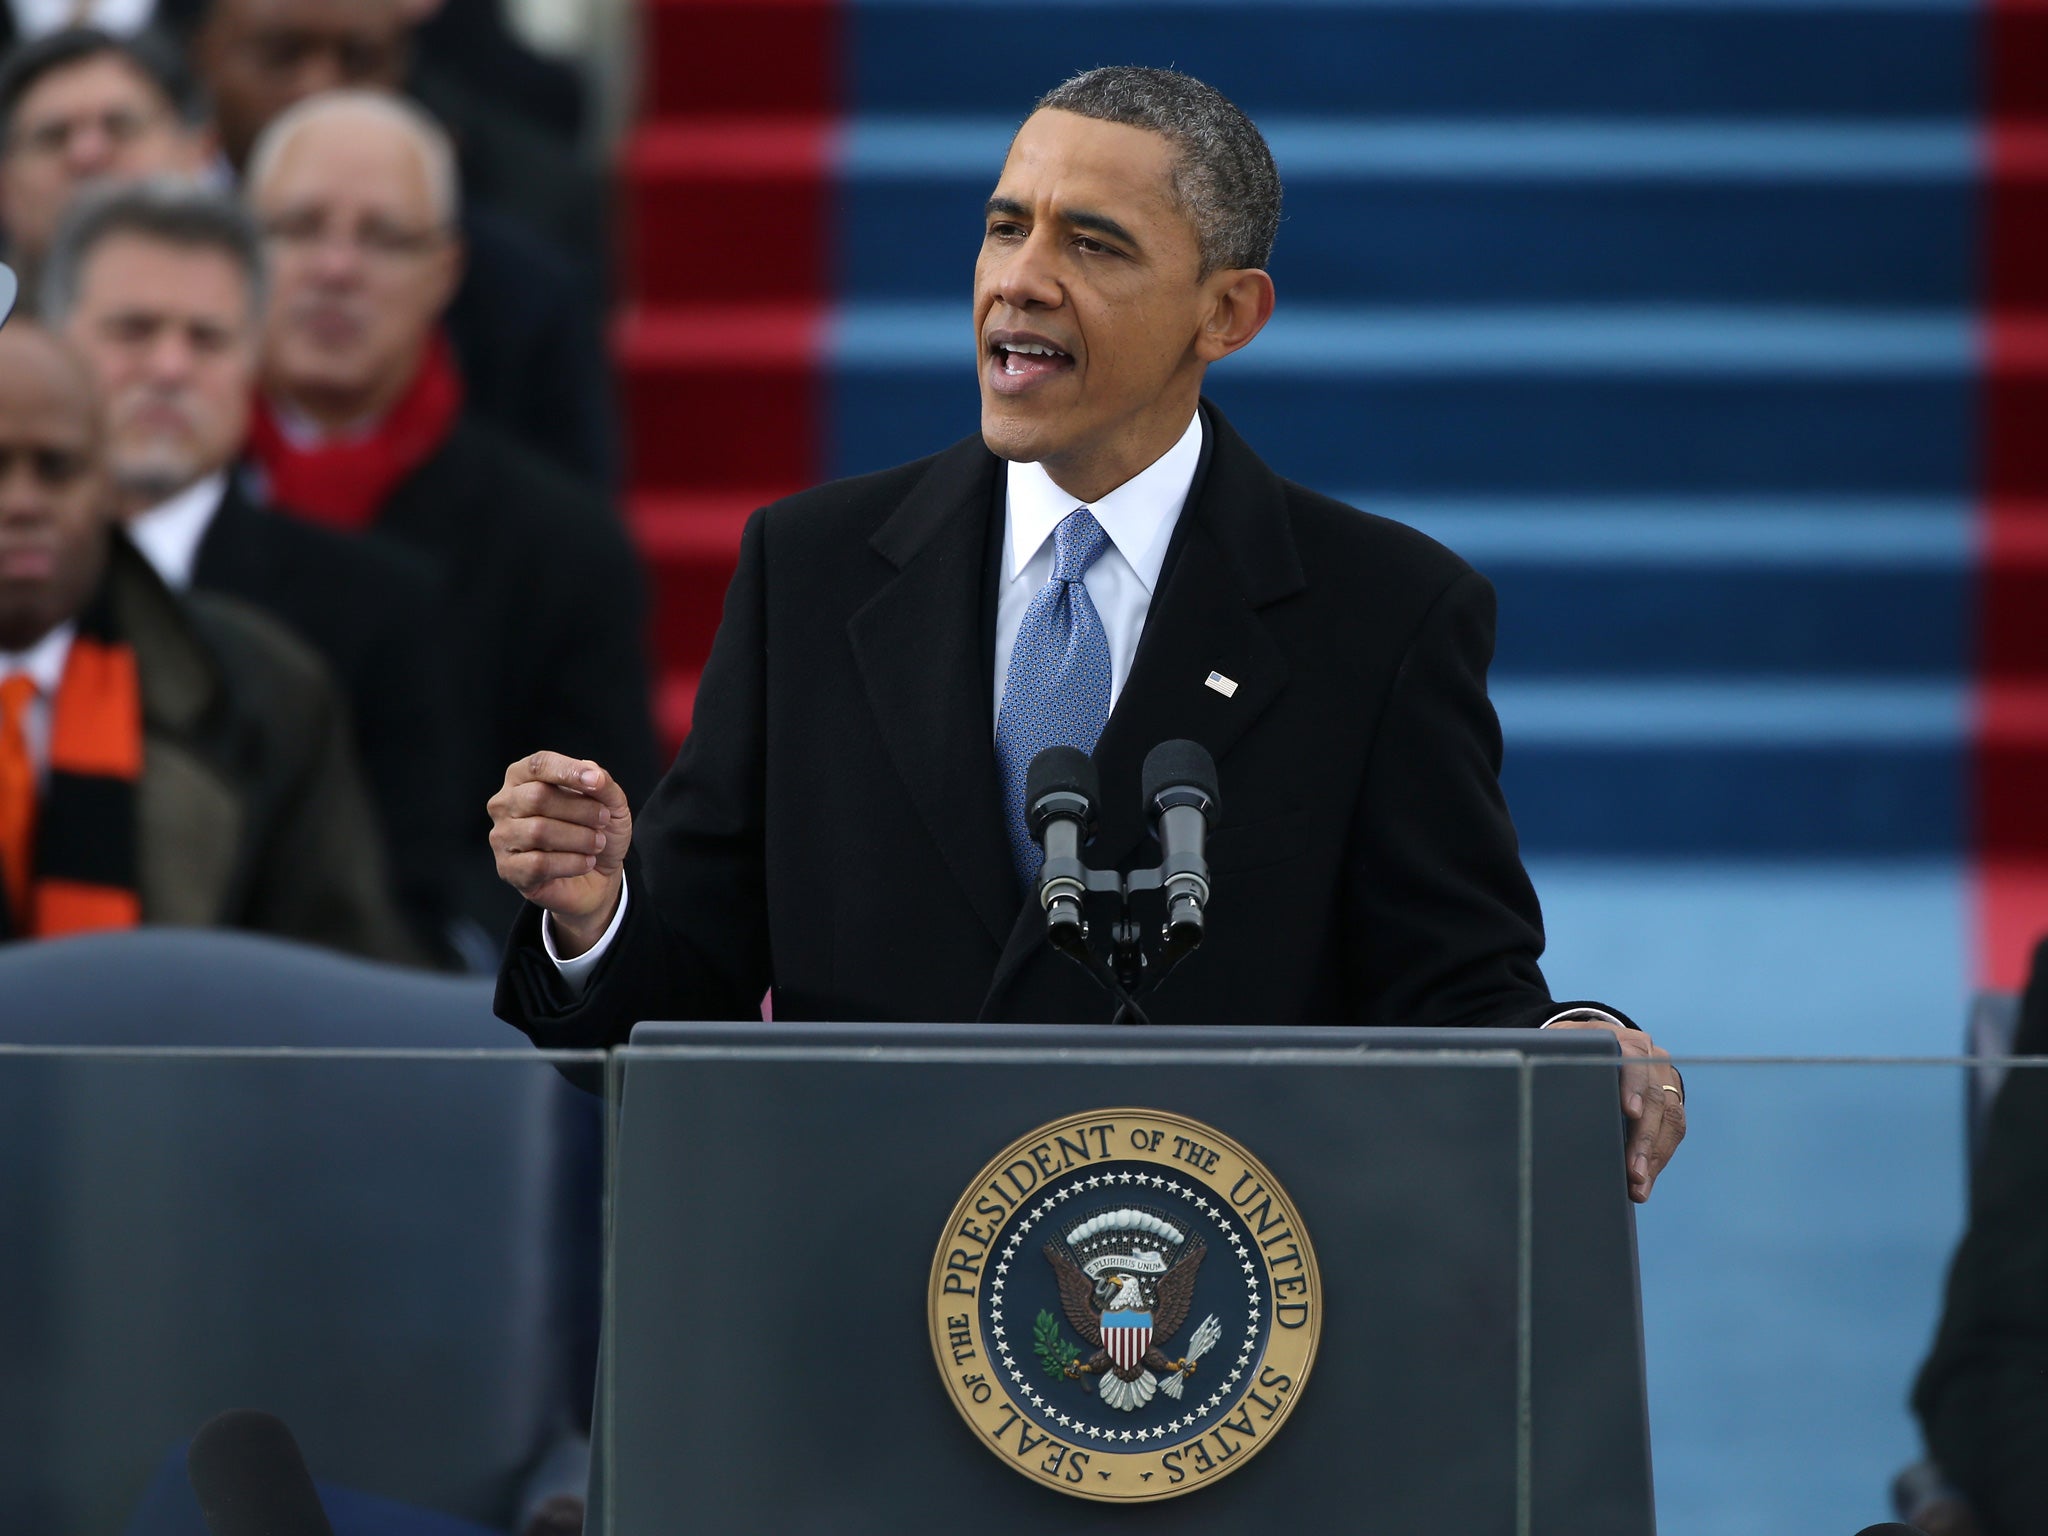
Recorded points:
(1124,1305)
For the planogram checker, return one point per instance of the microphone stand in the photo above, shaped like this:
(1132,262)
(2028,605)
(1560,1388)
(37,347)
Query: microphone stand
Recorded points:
(1061,794)
(1062,883)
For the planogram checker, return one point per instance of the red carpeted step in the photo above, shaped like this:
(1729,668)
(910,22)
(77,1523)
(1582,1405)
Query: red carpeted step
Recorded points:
(689,544)
(2010,811)
(735,209)
(745,56)
(2012,814)
(723,397)
(2017,186)
(726,257)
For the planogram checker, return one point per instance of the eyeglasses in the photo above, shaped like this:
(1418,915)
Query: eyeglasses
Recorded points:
(118,125)
(372,240)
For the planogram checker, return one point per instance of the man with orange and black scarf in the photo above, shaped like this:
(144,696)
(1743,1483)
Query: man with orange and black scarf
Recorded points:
(161,760)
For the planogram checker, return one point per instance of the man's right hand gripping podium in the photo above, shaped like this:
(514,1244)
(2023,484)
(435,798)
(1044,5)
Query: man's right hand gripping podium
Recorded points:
(1106,566)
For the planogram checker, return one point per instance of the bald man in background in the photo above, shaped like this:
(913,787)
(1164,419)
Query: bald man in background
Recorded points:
(162,760)
(363,425)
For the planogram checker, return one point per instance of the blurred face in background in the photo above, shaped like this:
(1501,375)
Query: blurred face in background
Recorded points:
(363,263)
(171,335)
(258,57)
(54,497)
(97,119)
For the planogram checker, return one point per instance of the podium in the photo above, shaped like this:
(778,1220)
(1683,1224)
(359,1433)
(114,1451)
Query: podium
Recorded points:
(800,1339)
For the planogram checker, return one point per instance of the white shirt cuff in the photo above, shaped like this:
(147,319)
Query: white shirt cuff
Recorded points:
(1598,1015)
(577,972)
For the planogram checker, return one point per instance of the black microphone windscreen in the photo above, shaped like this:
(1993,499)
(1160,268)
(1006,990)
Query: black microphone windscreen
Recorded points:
(1890,1528)
(1174,764)
(251,1480)
(1061,768)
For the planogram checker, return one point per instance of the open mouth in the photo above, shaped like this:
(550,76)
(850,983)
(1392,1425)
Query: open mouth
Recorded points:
(1018,364)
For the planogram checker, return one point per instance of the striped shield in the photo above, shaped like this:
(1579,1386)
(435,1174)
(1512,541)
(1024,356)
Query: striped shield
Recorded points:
(1126,1335)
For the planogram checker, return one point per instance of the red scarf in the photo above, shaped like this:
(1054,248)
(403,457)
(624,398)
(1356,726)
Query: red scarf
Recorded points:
(345,482)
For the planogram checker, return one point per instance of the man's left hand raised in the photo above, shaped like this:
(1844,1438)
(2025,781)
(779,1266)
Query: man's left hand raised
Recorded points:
(1652,1097)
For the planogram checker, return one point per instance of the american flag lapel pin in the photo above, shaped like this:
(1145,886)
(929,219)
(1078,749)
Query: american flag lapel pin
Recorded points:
(1223,685)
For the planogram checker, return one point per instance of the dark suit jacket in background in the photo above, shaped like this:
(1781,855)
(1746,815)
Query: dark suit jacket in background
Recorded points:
(374,612)
(834,823)
(521,171)
(527,333)
(545,605)
(1982,1397)
(250,812)
(472,41)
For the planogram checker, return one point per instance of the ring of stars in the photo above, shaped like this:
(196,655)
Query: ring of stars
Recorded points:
(1030,1394)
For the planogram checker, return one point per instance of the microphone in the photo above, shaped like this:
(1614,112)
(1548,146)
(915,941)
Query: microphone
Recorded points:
(1891,1528)
(251,1480)
(1061,792)
(1179,780)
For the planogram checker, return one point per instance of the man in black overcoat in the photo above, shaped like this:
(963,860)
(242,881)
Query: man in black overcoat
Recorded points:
(844,823)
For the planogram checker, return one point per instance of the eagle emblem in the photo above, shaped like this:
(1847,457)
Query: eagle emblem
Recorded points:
(1126,1280)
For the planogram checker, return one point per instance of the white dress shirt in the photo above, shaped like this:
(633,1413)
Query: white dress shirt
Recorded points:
(170,533)
(1139,516)
(44,664)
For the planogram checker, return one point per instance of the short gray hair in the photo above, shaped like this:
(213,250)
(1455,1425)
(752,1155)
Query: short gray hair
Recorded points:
(1223,177)
(166,211)
(436,149)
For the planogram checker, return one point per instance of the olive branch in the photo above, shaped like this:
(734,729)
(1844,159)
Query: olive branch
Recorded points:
(1054,1353)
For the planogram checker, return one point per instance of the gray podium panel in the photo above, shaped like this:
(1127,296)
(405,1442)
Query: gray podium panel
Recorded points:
(780,1192)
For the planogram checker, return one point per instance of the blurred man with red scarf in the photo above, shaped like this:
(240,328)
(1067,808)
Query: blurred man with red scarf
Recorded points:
(362,427)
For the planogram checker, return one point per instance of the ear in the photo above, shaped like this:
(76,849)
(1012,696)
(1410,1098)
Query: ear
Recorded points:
(1239,303)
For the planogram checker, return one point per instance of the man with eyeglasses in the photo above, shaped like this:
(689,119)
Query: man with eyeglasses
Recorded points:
(80,107)
(363,425)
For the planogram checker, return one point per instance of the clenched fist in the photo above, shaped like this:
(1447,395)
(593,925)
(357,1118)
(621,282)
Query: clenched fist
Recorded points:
(560,827)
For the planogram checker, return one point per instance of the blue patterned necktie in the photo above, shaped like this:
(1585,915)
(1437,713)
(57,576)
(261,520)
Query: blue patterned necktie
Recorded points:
(1056,692)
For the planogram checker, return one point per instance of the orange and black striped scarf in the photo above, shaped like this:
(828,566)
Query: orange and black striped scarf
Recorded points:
(84,860)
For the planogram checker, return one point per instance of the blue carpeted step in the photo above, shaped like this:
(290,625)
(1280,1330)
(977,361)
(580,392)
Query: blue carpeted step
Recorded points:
(1438,58)
(1762,802)
(1737,767)
(1504,213)
(1650,621)
(1683,588)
